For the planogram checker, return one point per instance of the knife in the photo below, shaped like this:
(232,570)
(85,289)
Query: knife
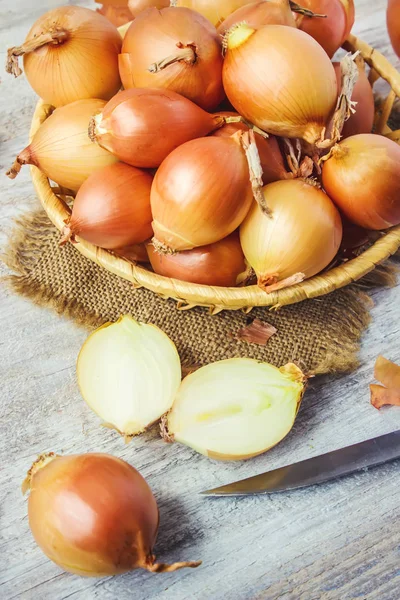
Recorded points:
(316,470)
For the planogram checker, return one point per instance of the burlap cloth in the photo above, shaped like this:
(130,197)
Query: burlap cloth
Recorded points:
(322,335)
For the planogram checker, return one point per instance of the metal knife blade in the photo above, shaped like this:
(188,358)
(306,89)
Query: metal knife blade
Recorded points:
(317,470)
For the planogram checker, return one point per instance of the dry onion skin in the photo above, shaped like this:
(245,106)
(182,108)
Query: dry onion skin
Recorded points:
(128,374)
(216,11)
(142,126)
(236,409)
(258,14)
(280,79)
(218,264)
(176,49)
(393,24)
(362,176)
(298,240)
(94,515)
(201,193)
(112,208)
(61,148)
(331,31)
(362,120)
(76,56)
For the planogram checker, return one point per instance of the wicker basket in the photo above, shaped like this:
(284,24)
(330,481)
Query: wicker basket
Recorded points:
(189,295)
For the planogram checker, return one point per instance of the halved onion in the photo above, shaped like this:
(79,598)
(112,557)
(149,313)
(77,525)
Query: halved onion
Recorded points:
(236,409)
(129,373)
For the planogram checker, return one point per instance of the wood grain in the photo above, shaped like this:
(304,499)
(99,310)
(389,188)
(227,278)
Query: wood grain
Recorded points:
(339,541)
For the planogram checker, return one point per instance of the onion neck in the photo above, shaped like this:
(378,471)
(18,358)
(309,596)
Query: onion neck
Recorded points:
(237,36)
(96,127)
(185,53)
(305,12)
(40,463)
(24,158)
(53,37)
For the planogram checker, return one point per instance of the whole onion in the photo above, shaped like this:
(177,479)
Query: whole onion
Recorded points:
(331,31)
(93,515)
(258,14)
(216,11)
(393,24)
(138,6)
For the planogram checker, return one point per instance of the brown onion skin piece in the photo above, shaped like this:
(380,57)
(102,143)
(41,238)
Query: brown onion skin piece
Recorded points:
(363,119)
(154,35)
(362,177)
(258,14)
(93,515)
(201,193)
(331,32)
(217,264)
(271,158)
(145,125)
(393,24)
(112,208)
(138,6)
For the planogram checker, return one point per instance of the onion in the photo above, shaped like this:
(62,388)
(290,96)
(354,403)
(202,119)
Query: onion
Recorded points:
(138,6)
(61,148)
(236,409)
(112,208)
(143,126)
(331,31)
(280,79)
(93,515)
(300,239)
(271,158)
(362,176)
(221,263)
(118,15)
(177,49)
(128,374)
(135,253)
(216,11)
(200,194)
(393,24)
(257,14)
(362,120)
(71,53)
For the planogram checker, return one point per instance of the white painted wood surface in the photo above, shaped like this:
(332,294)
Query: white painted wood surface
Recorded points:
(339,541)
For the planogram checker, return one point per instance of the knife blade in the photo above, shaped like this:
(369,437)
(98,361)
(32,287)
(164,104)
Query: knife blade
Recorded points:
(317,470)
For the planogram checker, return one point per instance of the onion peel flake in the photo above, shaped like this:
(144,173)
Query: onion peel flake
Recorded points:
(258,332)
(382,396)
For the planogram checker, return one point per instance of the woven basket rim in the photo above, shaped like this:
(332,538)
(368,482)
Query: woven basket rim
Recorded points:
(189,295)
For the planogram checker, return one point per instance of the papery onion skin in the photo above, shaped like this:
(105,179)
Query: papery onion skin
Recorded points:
(138,6)
(132,393)
(303,234)
(112,208)
(216,11)
(59,73)
(236,409)
(330,32)
(93,515)
(294,93)
(142,126)
(61,148)
(156,35)
(393,24)
(363,119)
(362,177)
(201,193)
(271,158)
(258,14)
(218,264)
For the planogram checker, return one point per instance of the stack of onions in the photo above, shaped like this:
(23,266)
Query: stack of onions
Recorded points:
(177,49)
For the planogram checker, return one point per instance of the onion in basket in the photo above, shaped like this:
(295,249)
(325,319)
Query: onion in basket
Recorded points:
(61,148)
(298,240)
(362,176)
(235,409)
(221,263)
(71,53)
(177,49)
(129,373)
(94,515)
(112,208)
(280,79)
(201,193)
(142,126)
(258,14)
(393,24)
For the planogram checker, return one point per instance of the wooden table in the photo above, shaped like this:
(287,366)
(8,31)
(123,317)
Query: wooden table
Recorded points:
(336,541)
